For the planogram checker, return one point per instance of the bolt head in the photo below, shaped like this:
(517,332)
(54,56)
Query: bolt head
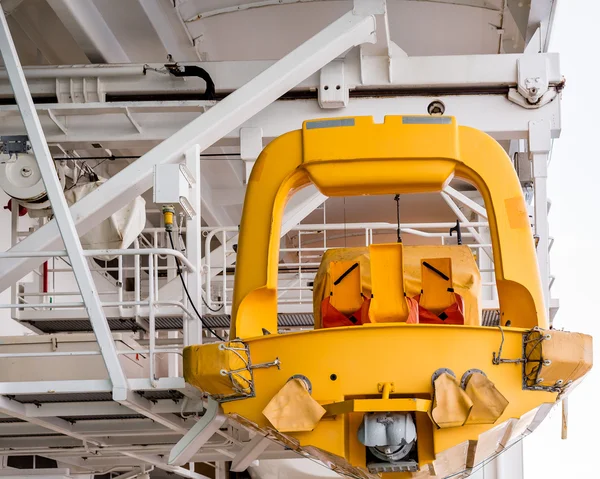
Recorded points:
(26,172)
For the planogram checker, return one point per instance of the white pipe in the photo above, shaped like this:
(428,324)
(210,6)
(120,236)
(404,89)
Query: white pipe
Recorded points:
(82,71)
(48,354)
(356,226)
(101,252)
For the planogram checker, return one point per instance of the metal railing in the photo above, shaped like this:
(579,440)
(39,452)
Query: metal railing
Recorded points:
(152,302)
(297,290)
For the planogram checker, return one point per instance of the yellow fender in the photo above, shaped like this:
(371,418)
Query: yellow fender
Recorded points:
(404,154)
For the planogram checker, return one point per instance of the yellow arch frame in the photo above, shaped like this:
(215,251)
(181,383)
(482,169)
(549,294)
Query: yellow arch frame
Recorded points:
(405,154)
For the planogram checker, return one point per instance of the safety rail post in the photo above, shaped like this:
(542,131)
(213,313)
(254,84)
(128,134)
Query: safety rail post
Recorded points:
(14,222)
(209,235)
(61,212)
(137,280)
(224,292)
(188,318)
(300,263)
(151,319)
(120,284)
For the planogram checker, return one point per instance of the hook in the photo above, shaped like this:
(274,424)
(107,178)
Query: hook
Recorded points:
(458,233)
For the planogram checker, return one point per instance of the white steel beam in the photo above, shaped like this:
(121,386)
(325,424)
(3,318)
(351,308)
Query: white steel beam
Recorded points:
(63,219)
(90,31)
(249,453)
(198,435)
(158,462)
(144,407)
(348,31)
(100,458)
(19,411)
(193,240)
(95,428)
(466,201)
(10,473)
(95,386)
(102,123)
(540,144)
(455,72)
(135,473)
(170,29)
(54,442)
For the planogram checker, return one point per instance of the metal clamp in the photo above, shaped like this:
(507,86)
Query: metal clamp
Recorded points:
(533,85)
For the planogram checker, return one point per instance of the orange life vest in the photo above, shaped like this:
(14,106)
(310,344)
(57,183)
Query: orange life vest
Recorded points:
(453,314)
(414,311)
(332,318)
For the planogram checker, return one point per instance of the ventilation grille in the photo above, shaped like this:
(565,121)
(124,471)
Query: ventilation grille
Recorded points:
(490,317)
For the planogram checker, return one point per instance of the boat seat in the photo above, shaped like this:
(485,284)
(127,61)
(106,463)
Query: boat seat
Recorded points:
(466,279)
(438,302)
(345,304)
(389,302)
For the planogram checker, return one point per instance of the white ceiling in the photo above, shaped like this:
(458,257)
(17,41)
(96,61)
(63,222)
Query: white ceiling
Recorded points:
(120,31)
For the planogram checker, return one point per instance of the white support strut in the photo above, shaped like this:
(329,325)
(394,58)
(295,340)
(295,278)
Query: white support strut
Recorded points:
(63,220)
(249,453)
(198,435)
(540,144)
(193,242)
(346,32)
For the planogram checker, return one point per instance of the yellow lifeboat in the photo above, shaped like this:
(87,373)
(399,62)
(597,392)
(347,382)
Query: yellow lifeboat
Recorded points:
(414,385)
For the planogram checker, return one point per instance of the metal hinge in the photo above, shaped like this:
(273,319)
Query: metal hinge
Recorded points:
(533,85)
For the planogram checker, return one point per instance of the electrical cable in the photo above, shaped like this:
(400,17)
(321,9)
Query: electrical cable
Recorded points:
(194,71)
(188,293)
(209,308)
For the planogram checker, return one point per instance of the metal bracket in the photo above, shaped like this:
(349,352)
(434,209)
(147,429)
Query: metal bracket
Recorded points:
(523,168)
(15,144)
(276,363)
(497,357)
(197,436)
(249,453)
(333,91)
(251,144)
(376,56)
(80,90)
(533,84)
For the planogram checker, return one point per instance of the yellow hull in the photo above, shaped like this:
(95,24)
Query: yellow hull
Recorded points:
(312,390)
(349,363)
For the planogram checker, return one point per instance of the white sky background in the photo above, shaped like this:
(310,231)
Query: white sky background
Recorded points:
(574,188)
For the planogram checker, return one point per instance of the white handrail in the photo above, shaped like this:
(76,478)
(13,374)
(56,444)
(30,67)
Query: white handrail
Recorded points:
(101,252)
(307,229)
